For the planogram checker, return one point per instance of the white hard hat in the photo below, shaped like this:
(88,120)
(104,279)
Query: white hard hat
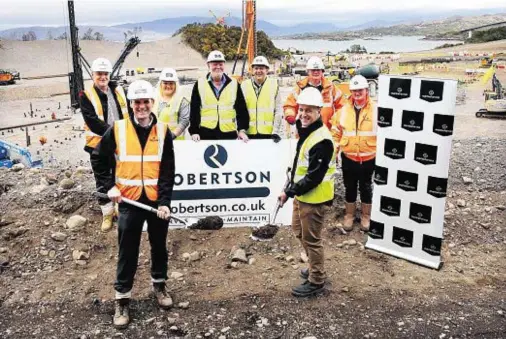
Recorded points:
(215,56)
(310,96)
(101,65)
(260,61)
(315,63)
(140,89)
(168,74)
(358,82)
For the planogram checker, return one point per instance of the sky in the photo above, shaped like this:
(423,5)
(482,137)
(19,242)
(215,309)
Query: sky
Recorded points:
(17,13)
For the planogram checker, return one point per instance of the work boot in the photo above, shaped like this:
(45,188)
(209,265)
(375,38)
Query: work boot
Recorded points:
(307,289)
(162,296)
(122,314)
(349,217)
(107,217)
(365,217)
(304,273)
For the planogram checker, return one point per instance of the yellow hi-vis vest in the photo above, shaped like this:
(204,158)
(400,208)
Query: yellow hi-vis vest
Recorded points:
(325,190)
(170,113)
(214,111)
(261,108)
(137,168)
(92,139)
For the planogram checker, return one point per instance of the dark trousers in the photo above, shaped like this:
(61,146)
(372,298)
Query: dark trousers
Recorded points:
(216,134)
(94,159)
(131,220)
(356,173)
(260,136)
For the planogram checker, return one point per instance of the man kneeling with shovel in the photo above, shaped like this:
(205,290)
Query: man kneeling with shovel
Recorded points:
(312,187)
(144,172)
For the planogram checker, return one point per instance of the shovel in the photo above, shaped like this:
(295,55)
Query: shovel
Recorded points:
(207,223)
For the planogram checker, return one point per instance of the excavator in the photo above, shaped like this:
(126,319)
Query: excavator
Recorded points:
(11,154)
(495,100)
(249,26)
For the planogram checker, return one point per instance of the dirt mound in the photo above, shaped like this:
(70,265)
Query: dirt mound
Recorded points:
(207,223)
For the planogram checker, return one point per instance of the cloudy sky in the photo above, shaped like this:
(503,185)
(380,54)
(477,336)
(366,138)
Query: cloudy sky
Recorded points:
(283,12)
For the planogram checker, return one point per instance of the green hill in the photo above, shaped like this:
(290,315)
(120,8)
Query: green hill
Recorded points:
(205,38)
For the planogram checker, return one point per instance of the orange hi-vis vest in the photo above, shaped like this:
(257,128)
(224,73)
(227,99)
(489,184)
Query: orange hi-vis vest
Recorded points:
(138,169)
(92,139)
(357,142)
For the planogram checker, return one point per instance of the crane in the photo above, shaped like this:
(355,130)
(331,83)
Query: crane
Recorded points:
(220,20)
(249,26)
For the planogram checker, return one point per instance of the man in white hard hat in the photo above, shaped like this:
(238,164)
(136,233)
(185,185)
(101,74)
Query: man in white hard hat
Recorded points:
(171,106)
(312,187)
(263,102)
(144,171)
(101,105)
(333,99)
(354,132)
(217,109)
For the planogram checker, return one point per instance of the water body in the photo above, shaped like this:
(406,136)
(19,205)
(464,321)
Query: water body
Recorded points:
(387,44)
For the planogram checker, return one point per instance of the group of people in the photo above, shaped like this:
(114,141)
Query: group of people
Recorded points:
(130,139)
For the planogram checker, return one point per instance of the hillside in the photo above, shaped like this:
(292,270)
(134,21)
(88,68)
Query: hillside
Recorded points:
(431,28)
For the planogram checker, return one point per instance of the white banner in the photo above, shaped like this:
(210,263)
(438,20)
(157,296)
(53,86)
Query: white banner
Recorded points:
(415,128)
(237,181)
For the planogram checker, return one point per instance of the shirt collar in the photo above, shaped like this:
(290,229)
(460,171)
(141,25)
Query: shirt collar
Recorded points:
(223,79)
(150,121)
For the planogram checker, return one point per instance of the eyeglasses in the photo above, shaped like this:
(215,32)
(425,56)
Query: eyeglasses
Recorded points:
(145,102)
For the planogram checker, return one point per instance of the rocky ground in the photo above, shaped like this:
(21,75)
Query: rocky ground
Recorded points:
(57,269)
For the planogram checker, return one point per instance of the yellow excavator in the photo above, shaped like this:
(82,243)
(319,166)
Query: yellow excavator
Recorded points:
(495,100)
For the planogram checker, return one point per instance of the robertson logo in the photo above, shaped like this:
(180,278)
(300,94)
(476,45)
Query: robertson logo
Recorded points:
(400,88)
(437,187)
(380,175)
(431,245)
(443,124)
(431,91)
(412,121)
(385,117)
(215,156)
(376,230)
(390,206)
(425,154)
(407,181)
(420,213)
(402,237)
(394,148)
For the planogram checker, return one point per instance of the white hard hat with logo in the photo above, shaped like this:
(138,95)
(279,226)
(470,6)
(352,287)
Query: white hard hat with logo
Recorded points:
(140,89)
(169,74)
(358,82)
(101,65)
(215,56)
(260,61)
(315,63)
(310,96)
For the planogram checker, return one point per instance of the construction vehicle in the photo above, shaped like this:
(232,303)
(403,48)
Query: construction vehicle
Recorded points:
(220,20)
(495,100)
(6,78)
(249,26)
(486,62)
(11,154)
(76,80)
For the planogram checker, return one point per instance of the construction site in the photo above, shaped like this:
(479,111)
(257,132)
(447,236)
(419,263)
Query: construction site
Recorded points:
(57,268)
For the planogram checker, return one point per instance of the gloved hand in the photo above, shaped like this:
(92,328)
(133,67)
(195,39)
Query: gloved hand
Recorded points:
(290,119)
(276,138)
(196,137)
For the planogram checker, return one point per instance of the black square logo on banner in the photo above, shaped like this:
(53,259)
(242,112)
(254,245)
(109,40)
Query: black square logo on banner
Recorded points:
(376,230)
(431,91)
(420,213)
(443,124)
(395,149)
(407,181)
(412,121)
(390,206)
(400,88)
(437,187)
(380,175)
(402,237)
(431,245)
(425,154)
(385,116)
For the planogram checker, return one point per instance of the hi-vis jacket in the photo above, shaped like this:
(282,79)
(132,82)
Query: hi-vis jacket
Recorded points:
(261,107)
(92,139)
(138,168)
(333,99)
(325,189)
(170,113)
(218,111)
(356,141)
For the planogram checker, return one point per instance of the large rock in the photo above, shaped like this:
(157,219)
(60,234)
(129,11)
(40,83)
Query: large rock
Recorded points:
(67,183)
(76,222)
(17,167)
(240,255)
(58,236)
(51,178)
(80,255)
